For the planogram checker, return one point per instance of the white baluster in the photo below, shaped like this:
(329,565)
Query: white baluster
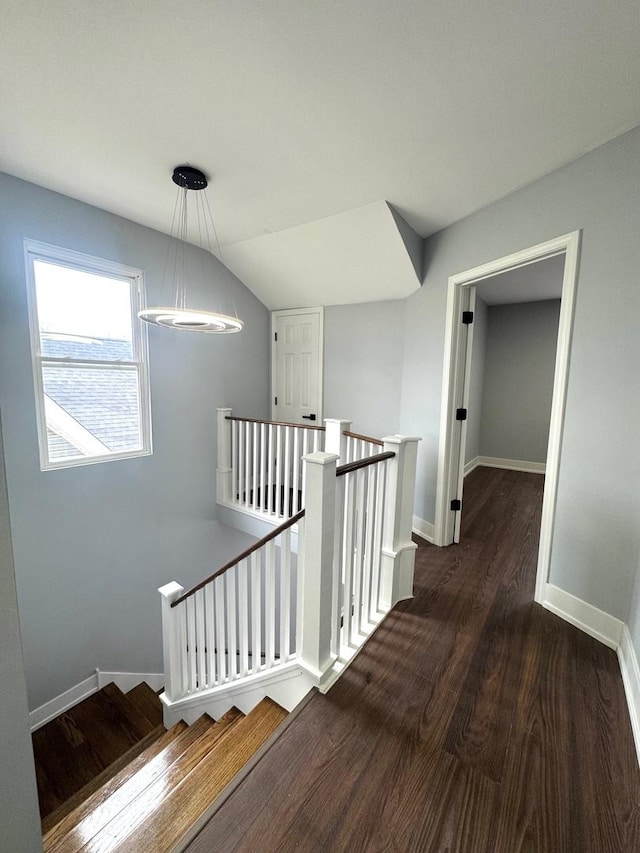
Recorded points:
(254,471)
(262,483)
(243,617)
(221,634)
(191,645)
(200,641)
(296,470)
(247,467)
(285,595)
(270,604)
(173,651)
(209,604)
(348,557)
(256,607)
(271,462)
(230,609)
(279,471)
(287,509)
(224,468)
(241,457)
(398,549)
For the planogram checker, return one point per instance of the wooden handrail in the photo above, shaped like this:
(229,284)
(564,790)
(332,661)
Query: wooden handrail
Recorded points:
(249,551)
(273,423)
(366,438)
(362,463)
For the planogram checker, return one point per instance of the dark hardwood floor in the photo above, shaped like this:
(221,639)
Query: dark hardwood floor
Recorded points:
(473,720)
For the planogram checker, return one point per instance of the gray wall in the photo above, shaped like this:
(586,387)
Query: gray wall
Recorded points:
(518,380)
(20,823)
(92,544)
(476,380)
(363,347)
(595,545)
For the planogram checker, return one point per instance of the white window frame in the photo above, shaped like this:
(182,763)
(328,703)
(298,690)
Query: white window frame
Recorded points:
(37,251)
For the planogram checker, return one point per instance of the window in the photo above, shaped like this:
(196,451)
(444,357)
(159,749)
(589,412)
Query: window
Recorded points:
(89,357)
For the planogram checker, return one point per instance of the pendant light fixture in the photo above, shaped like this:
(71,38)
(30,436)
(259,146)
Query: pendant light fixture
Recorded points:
(194,213)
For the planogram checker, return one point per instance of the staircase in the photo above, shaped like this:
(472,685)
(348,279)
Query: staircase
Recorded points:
(112,777)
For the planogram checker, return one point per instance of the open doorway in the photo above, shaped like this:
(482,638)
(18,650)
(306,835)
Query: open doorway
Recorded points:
(457,383)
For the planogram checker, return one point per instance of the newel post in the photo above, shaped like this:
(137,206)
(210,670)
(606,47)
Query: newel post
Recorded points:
(171,640)
(398,549)
(316,561)
(224,467)
(335,440)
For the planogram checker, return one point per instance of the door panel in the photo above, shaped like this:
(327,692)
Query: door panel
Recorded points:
(297,366)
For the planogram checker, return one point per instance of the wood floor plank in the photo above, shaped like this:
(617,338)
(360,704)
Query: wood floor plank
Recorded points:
(473,720)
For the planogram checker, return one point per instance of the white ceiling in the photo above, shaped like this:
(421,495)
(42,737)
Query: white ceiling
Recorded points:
(531,283)
(305,110)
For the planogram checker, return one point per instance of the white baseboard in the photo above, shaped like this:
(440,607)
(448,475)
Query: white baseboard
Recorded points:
(471,465)
(423,529)
(63,702)
(631,680)
(604,627)
(506,464)
(128,680)
(124,680)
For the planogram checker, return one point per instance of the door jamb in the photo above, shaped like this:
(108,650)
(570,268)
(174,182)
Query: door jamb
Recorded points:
(448,454)
(272,384)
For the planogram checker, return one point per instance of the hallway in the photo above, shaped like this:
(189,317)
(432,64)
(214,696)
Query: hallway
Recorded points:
(473,721)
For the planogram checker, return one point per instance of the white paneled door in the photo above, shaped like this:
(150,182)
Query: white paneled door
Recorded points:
(297,366)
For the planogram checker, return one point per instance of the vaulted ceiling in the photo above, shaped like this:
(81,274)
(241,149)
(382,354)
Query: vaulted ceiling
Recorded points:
(305,111)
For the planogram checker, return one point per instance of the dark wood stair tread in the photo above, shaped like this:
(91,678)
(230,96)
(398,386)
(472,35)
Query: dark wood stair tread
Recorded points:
(181,806)
(78,745)
(100,816)
(147,702)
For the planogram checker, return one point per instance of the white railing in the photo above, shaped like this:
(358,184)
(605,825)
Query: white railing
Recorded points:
(360,505)
(273,614)
(260,463)
(239,622)
(360,446)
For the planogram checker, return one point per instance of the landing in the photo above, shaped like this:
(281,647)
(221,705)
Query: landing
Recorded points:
(473,720)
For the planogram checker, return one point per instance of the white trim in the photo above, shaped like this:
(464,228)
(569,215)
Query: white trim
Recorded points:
(34,250)
(593,621)
(569,244)
(289,312)
(423,529)
(128,680)
(62,703)
(124,680)
(631,679)
(506,464)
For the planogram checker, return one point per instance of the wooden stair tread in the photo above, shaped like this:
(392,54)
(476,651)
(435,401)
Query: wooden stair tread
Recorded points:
(162,823)
(153,739)
(79,744)
(99,819)
(147,702)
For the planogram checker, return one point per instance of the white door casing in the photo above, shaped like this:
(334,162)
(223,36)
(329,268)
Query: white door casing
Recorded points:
(450,454)
(296,365)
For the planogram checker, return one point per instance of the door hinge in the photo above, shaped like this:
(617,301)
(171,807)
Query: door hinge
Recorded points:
(467,317)
(456,505)
(461,414)
(275,337)
(275,403)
